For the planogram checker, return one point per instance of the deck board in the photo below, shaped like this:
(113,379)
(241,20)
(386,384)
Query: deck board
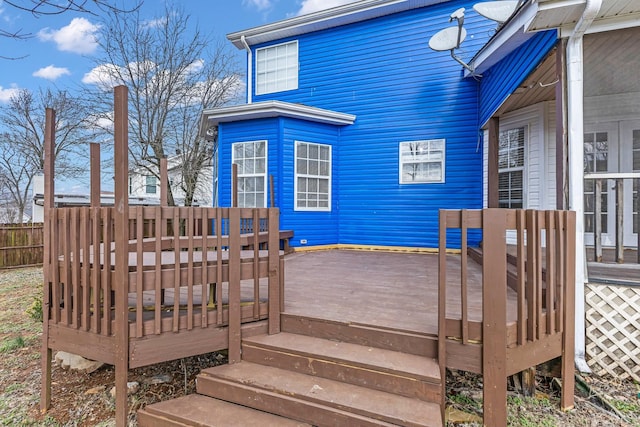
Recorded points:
(382,289)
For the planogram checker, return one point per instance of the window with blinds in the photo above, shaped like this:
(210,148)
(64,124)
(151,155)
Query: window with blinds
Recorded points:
(511,168)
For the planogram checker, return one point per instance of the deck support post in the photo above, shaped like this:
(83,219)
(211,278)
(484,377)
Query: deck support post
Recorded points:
(45,359)
(494,315)
(121,279)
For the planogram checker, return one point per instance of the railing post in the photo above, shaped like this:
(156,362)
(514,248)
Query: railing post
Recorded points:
(235,317)
(45,358)
(121,280)
(494,315)
(274,270)
(569,261)
(442,299)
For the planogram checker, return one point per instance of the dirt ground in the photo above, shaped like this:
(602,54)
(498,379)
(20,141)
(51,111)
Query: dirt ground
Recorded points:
(81,399)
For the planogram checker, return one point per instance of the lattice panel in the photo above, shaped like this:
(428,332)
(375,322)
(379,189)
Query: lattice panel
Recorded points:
(613,330)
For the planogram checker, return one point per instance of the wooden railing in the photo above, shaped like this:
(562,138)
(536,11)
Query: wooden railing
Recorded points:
(621,180)
(523,326)
(192,254)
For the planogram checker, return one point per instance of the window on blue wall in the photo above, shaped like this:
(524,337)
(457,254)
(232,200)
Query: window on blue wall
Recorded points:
(251,158)
(312,185)
(422,161)
(151,184)
(511,168)
(277,68)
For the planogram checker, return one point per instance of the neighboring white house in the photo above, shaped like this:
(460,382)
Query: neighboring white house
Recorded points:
(143,183)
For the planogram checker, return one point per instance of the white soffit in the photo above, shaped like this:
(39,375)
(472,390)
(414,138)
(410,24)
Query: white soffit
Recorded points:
(269,109)
(329,18)
(563,14)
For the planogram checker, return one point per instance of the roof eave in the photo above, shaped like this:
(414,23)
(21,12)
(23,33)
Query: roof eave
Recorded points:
(323,19)
(271,109)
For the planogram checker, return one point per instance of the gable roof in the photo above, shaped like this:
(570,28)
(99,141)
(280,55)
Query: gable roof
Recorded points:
(329,18)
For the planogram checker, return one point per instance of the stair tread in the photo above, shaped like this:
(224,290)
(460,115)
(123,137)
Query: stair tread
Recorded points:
(199,410)
(419,367)
(330,393)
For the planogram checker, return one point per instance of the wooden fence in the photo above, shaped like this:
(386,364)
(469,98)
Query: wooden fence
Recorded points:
(21,245)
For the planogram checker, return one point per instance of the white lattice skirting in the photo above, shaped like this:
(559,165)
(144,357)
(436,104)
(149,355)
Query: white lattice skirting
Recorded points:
(613,330)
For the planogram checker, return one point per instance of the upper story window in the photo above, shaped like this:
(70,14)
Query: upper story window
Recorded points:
(277,68)
(313,177)
(511,168)
(151,184)
(422,161)
(251,158)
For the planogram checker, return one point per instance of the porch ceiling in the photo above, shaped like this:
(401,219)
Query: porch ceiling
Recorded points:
(538,87)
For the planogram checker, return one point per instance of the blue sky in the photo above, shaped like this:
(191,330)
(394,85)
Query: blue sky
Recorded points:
(58,52)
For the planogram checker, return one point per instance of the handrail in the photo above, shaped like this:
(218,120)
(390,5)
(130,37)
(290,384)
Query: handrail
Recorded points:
(543,279)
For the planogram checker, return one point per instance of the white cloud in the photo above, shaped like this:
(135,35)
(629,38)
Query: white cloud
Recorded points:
(6,94)
(80,36)
(104,76)
(309,6)
(260,5)
(51,72)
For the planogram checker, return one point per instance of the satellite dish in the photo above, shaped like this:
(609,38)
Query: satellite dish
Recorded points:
(458,14)
(447,39)
(498,11)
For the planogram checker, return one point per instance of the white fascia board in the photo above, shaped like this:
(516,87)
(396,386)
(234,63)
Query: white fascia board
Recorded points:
(328,18)
(268,109)
(505,41)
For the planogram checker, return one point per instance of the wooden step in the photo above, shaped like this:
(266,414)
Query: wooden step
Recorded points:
(198,410)
(391,371)
(370,336)
(316,400)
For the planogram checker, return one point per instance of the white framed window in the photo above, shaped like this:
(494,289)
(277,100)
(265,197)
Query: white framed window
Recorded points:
(277,68)
(151,184)
(312,185)
(422,161)
(511,160)
(251,158)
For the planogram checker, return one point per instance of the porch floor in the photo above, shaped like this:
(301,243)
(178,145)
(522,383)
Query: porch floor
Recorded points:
(398,291)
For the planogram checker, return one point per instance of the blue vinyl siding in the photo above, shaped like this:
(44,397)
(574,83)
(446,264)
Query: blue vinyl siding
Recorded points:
(503,78)
(383,71)
(256,130)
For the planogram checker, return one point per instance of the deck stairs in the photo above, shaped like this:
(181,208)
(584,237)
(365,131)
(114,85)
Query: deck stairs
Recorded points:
(316,373)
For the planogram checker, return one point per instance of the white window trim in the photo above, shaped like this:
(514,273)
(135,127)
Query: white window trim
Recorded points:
(258,89)
(443,162)
(266,167)
(525,154)
(296,174)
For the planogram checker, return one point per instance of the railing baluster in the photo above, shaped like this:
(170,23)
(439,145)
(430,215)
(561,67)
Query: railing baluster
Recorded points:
(219,277)
(204,279)
(58,226)
(597,220)
(139,236)
(619,220)
(531,293)
(107,233)
(256,264)
(85,239)
(539,218)
(67,272)
(96,273)
(177,224)
(190,231)
(561,224)
(521,277)
(158,296)
(551,273)
(463,276)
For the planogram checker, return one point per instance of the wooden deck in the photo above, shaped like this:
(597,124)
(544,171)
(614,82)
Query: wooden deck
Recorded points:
(384,289)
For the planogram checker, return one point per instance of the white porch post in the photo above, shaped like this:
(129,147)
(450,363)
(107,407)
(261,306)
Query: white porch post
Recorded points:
(575,122)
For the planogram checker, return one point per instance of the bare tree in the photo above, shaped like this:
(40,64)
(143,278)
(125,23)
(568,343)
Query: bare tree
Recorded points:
(22,140)
(173,72)
(39,8)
